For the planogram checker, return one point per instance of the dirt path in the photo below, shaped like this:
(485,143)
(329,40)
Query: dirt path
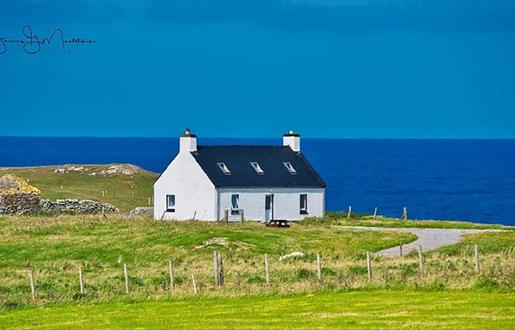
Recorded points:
(428,238)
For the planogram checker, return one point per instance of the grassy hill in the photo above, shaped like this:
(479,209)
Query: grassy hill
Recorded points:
(95,182)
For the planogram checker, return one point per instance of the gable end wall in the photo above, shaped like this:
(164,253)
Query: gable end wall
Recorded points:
(195,195)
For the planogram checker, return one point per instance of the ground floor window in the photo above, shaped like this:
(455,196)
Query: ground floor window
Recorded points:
(170,203)
(303,203)
(235,204)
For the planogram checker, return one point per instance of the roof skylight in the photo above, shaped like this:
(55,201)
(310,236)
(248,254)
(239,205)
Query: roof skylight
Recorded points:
(225,170)
(257,168)
(290,167)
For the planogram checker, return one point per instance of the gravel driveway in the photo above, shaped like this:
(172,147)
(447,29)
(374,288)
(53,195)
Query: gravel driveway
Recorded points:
(428,238)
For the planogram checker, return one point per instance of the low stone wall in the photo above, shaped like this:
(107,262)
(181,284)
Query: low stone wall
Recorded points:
(76,206)
(19,203)
(17,197)
(142,212)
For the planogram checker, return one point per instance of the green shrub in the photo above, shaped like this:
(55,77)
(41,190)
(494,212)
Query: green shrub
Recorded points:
(179,279)
(358,270)
(256,279)
(9,304)
(328,271)
(486,284)
(304,273)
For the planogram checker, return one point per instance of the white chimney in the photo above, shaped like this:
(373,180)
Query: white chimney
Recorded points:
(187,142)
(292,140)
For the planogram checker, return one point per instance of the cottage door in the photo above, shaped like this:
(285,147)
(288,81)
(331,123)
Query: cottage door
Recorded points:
(269,207)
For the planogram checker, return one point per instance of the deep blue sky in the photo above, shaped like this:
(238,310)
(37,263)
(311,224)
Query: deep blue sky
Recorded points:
(256,69)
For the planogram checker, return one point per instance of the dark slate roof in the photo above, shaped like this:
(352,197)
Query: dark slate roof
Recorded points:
(269,158)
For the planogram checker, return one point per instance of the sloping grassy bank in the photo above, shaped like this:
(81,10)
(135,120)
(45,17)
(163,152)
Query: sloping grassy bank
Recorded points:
(339,217)
(125,191)
(55,247)
(357,309)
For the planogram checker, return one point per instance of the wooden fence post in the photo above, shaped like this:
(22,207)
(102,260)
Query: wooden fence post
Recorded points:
(369,266)
(170,271)
(405,213)
(221,278)
(420,259)
(319,267)
(349,213)
(193,284)
(375,212)
(126,275)
(242,214)
(267,273)
(226,216)
(217,272)
(476,258)
(400,249)
(81,280)
(32,284)
(221,269)
(149,201)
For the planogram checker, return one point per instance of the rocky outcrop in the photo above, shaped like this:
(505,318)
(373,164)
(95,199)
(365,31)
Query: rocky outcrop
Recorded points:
(142,212)
(70,168)
(76,206)
(17,197)
(122,169)
(224,241)
(125,169)
(291,255)
(99,170)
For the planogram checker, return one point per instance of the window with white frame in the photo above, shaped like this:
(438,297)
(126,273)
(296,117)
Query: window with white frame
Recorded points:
(257,168)
(235,204)
(290,167)
(225,170)
(170,203)
(303,203)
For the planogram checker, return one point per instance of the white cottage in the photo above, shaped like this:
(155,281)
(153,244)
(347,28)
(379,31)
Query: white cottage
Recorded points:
(263,182)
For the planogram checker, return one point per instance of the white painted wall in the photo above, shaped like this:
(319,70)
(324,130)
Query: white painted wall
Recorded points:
(286,202)
(194,192)
(196,196)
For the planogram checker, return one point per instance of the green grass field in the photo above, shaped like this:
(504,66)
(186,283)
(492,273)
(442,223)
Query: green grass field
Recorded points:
(357,309)
(449,294)
(56,246)
(125,191)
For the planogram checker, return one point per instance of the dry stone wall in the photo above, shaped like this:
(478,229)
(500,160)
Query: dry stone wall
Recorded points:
(76,206)
(17,196)
(19,203)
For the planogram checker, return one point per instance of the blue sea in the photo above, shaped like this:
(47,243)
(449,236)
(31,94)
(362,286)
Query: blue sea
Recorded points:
(470,180)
